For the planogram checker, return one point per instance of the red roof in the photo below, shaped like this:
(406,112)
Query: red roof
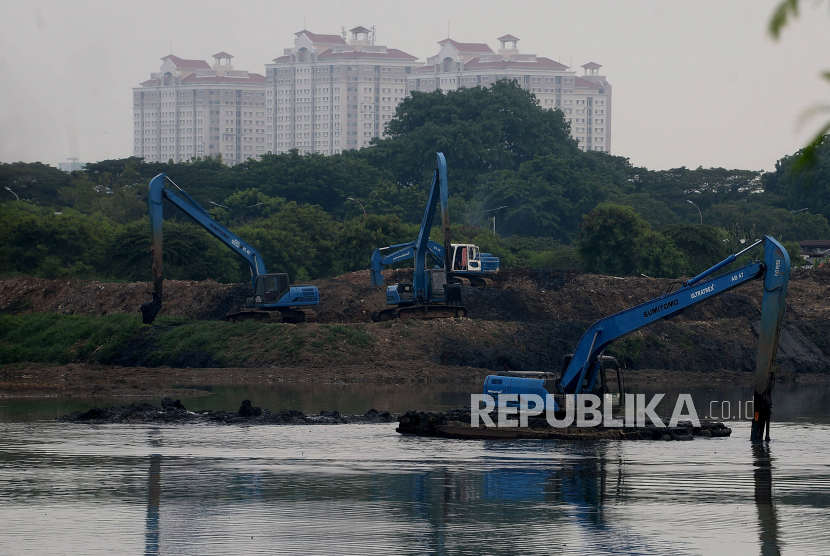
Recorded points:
(591,65)
(585,84)
(815,243)
(251,78)
(507,38)
(467,46)
(190,64)
(222,55)
(281,58)
(327,39)
(149,82)
(390,53)
(542,63)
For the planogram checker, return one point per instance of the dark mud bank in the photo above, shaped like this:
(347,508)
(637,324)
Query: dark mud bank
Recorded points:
(172,412)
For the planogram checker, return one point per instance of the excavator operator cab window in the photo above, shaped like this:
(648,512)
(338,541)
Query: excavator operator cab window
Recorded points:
(459,257)
(276,286)
(406,291)
(472,257)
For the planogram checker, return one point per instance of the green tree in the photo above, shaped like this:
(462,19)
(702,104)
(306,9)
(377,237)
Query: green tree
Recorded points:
(299,240)
(34,182)
(703,246)
(804,185)
(38,242)
(190,253)
(615,240)
(656,213)
(548,195)
(478,129)
(314,179)
(360,236)
(244,207)
(777,222)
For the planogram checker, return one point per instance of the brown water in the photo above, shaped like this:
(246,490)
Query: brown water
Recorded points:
(364,489)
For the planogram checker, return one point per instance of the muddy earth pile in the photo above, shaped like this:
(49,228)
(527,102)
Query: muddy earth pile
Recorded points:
(521,294)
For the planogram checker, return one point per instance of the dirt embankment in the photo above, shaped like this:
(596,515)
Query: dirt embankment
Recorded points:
(519,295)
(529,320)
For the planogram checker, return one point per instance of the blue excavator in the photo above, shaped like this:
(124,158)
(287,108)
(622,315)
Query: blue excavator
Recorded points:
(434,292)
(274,299)
(584,371)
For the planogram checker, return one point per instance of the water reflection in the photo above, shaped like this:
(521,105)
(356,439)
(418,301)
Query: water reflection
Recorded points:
(151,542)
(767,518)
(367,490)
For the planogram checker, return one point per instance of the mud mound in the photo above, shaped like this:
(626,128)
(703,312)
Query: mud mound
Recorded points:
(197,300)
(173,412)
(521,294)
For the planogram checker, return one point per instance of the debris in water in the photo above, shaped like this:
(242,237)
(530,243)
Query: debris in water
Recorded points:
(173,412)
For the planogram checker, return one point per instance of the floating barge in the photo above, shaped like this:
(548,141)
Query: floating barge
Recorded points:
(456,424)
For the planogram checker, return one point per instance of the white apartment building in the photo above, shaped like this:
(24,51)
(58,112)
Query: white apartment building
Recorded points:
(190,109)
(585,100)
(326,95)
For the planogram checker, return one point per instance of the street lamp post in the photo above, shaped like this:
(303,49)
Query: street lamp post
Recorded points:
(359,203)
(12,192)
(698,210)
(494,218)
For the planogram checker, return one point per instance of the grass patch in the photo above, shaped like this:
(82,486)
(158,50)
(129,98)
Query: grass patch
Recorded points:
(62,339)
(179,342)
(352,336)
(285,340)
(218,341)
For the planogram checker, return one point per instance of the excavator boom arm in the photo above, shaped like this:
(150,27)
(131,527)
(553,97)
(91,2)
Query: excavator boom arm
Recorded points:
(774,269)
(186,203)
(438,194)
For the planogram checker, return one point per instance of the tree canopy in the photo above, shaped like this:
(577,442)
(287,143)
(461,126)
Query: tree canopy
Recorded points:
(555,205)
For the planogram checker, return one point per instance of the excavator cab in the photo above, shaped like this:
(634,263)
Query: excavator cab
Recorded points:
(270,288)
(465,257)
(406,291)
(609,378)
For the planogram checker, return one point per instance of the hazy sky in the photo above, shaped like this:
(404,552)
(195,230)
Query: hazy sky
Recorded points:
(696,83)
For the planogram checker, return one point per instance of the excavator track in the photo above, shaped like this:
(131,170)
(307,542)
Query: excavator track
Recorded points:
(421,312)
(481,282)
(473,281)
(287,315)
